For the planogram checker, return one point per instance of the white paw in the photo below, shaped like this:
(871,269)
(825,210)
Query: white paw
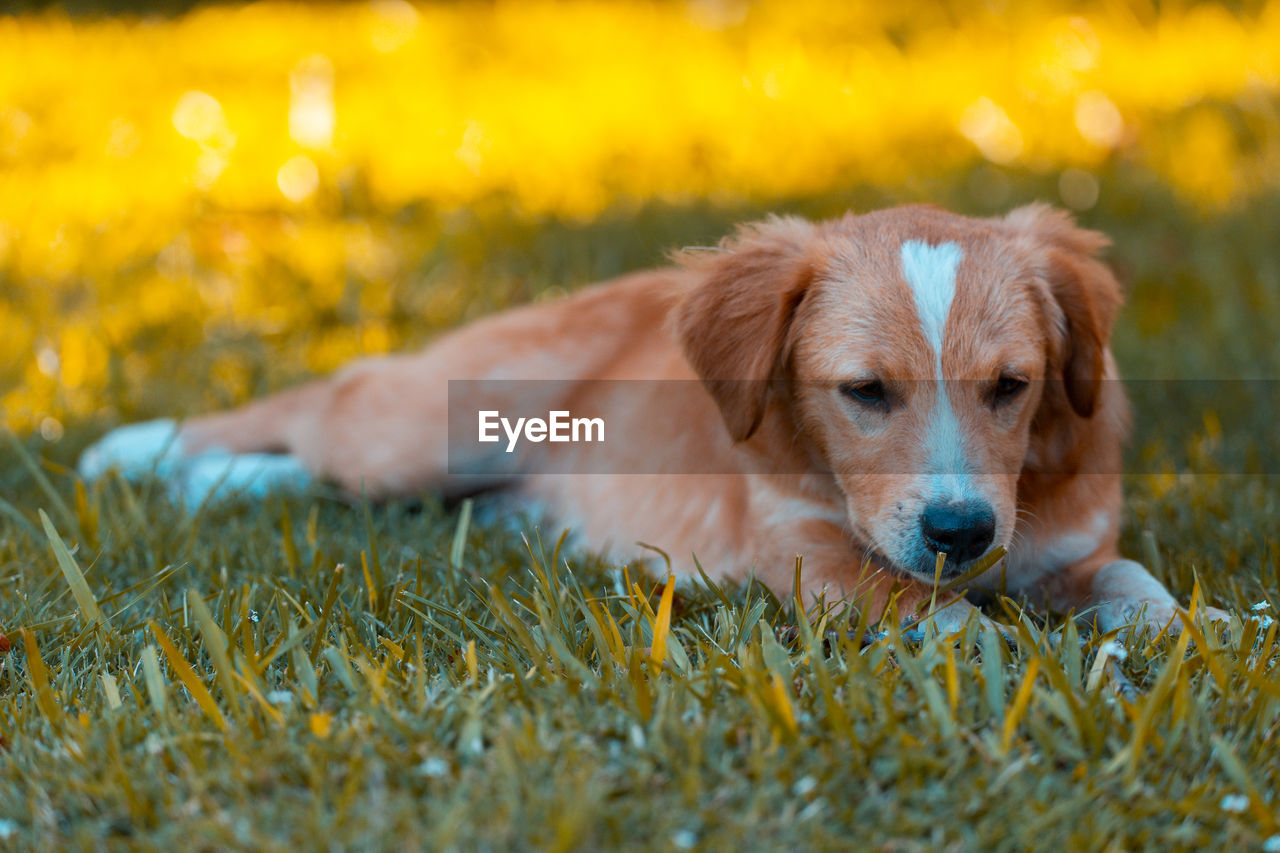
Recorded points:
(1129,597)
(952,617)
(1147,616)
(136,451)
(154,448)
(217,475)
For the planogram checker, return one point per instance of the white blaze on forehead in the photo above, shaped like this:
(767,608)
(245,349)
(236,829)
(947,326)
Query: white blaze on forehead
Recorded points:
(931,272)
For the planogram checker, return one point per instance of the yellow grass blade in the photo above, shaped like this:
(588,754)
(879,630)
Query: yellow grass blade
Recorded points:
(1207,654)
(662,623)
(291,558)
(614,633)
(594,617)
(393,647)
(1156,698)
(86,516)
(330,595)
(937,579)
(627,585)
(40,680)
(473,667)
(369,582)
(256,694)
(1019,707)
(780,702)
(980,566)
(795,588)
(641,601)
(952,678)
(188,677)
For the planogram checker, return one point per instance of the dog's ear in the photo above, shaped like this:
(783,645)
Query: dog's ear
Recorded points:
(1085,299)
(733,323)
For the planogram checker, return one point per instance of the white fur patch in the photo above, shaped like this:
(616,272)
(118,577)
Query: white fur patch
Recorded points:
(154,448)
(1124,581)
(218,475)
(136,450)
(948,462)
(931,272)
(1073,547)
(1125,591)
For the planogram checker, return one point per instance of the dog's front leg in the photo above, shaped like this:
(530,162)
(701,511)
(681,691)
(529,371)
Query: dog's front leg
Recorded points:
(1121,593)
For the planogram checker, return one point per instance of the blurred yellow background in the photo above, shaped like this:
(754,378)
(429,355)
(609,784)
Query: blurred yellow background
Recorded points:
(262,168)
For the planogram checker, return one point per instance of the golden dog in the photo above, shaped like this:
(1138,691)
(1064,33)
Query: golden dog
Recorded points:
(871,391)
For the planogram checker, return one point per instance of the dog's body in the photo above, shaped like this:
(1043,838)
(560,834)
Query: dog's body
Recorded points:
(825,425)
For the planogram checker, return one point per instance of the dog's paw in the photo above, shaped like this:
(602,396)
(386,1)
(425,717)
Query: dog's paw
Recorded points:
(155,449)
(1130,599)
(216,475)
(1150,617)
(135,451)
(952,618)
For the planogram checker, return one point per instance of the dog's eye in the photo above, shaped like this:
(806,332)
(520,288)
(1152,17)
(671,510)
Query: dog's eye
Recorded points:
(1008,387)
(868,393)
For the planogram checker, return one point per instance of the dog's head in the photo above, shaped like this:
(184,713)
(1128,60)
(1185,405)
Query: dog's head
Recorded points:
(927,358)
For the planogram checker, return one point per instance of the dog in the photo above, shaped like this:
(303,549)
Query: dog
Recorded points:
(868,393)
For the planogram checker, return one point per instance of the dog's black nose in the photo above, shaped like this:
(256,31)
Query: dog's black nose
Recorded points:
(962,531)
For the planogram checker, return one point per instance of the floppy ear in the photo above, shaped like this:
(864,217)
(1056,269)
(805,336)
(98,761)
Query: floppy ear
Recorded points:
(1085,295)
(733,324)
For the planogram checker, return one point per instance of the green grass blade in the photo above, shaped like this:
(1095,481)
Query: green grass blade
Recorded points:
(71,571)
(215,643)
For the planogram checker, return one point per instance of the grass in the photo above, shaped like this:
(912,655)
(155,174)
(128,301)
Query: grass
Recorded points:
(312,672)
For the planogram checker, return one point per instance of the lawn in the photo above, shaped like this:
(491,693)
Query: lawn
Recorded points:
(313,671)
